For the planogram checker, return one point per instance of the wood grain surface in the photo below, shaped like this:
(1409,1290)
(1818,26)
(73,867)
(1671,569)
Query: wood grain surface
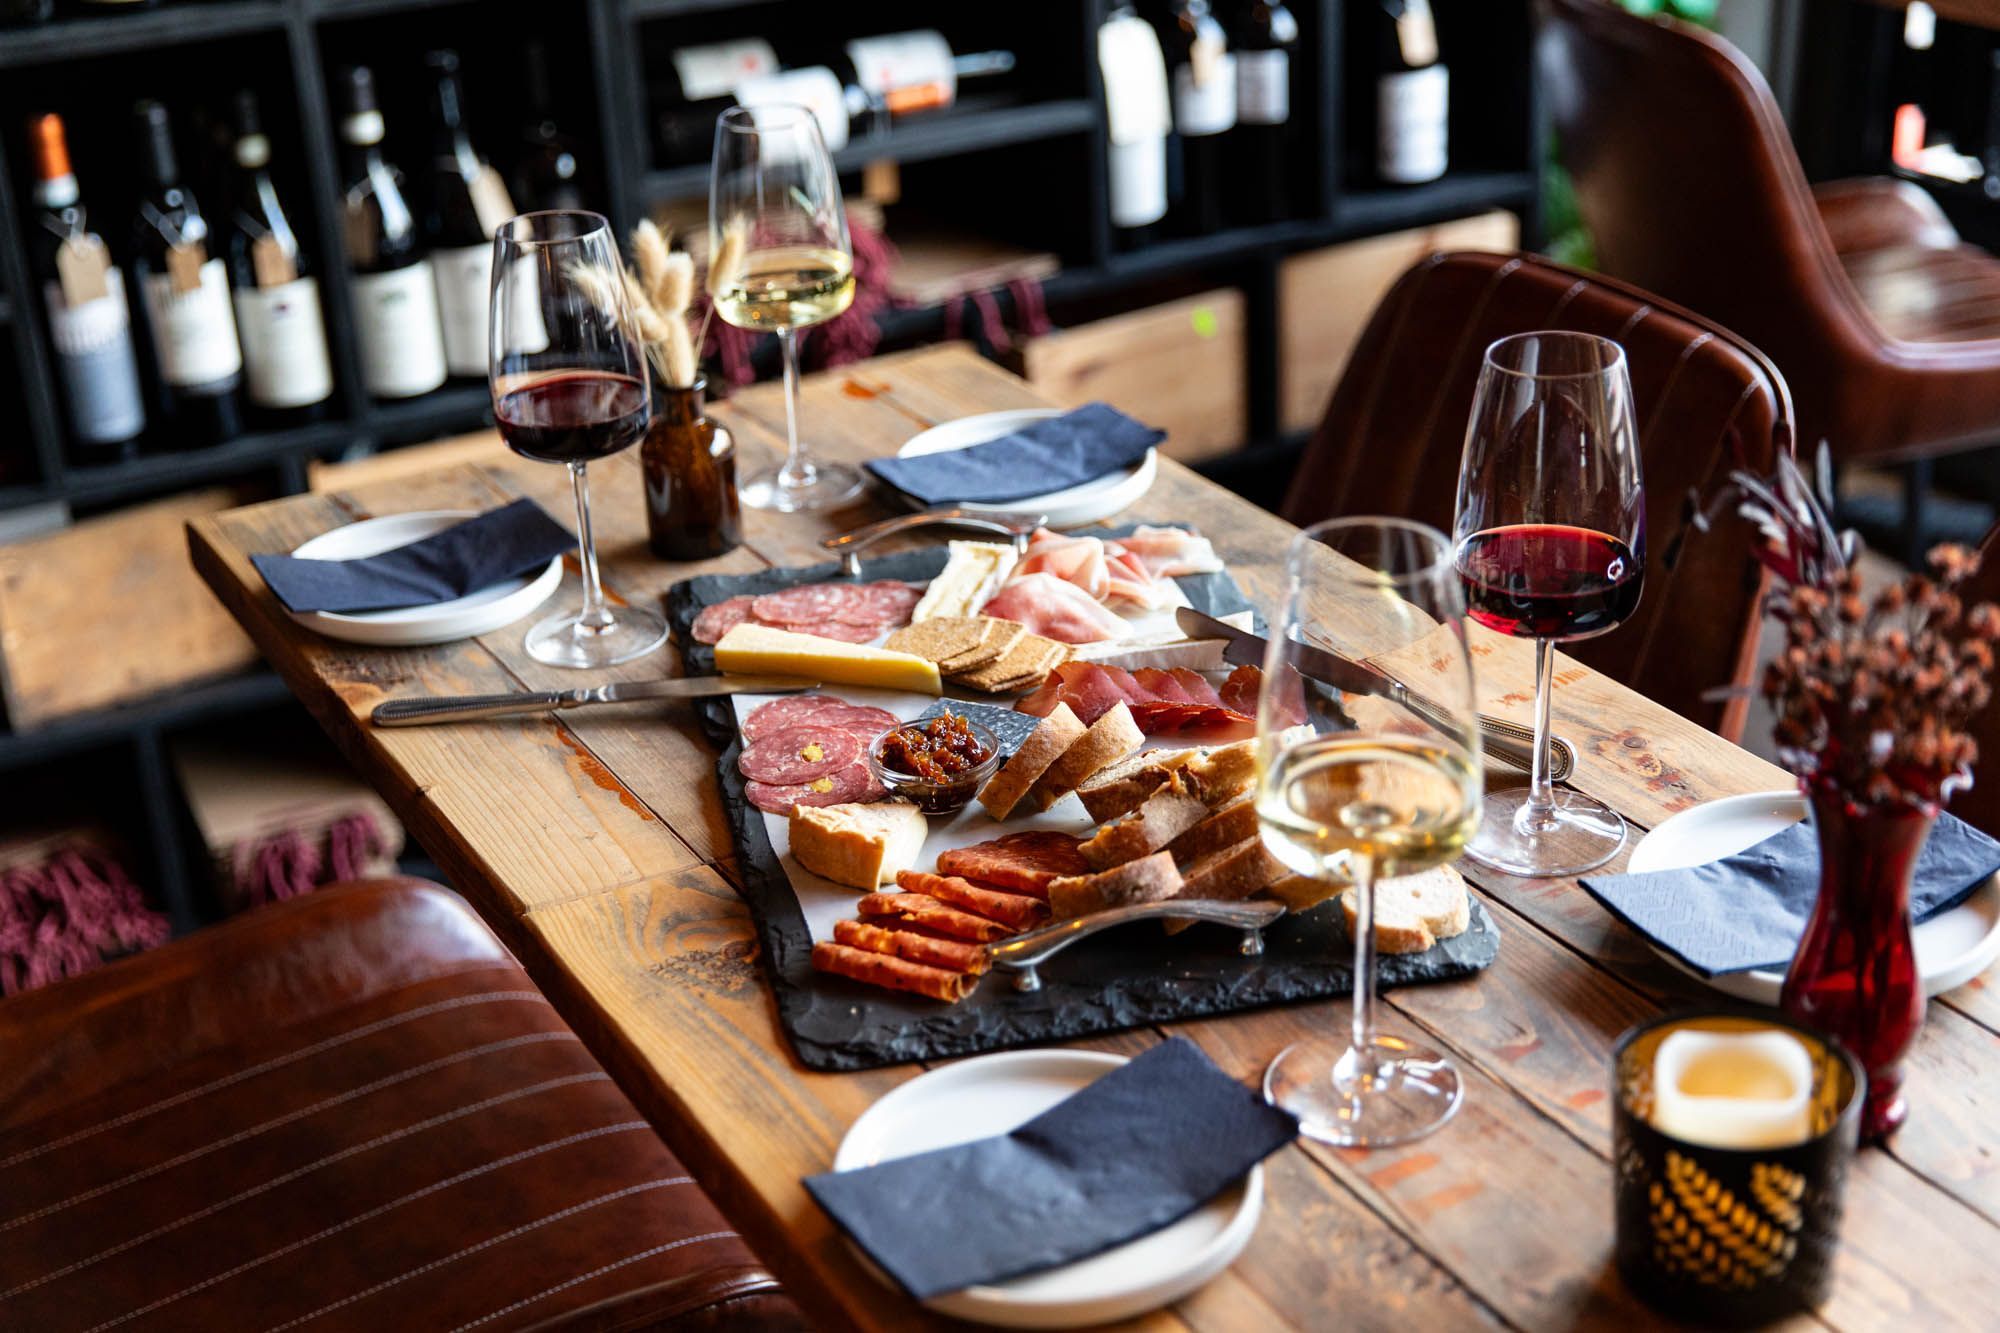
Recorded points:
(596,845)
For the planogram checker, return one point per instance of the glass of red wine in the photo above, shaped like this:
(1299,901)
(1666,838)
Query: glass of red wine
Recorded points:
(1550,544)
(569,385)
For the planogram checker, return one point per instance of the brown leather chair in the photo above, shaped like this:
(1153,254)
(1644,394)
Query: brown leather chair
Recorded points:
(1707,402)
(351,1110)
(1886,326)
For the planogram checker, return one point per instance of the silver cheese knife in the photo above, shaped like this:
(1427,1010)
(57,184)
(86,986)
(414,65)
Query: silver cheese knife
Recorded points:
(459,708)
(1509,742)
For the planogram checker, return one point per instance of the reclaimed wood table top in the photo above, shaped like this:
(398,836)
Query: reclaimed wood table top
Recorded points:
(596,844)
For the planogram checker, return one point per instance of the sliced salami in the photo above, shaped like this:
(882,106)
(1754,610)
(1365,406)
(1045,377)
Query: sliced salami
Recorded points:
(843,630)
(804,605)
(869,722)
(799,754)
(853,783)
(717,620)
(789,711)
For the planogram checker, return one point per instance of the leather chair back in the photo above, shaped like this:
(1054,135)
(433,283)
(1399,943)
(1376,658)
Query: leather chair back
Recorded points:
(1707,402)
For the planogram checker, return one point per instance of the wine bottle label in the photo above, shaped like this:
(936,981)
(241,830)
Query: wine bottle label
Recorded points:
(1263,87)
(716,69)
(1205,92)
(1411,125)
(464,300)
(285,361)
(903,60)
(96,363)
(1416,33)
(1137,105)
(194,329)
(1138,182)
(816,88)
(396,320)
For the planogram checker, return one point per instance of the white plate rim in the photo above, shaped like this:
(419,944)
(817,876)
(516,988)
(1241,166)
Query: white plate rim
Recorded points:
(1763,987)
(1086,502)
(995,1303)
(396,627)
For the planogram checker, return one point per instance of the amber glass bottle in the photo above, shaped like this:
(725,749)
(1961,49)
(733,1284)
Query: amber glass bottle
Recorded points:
(691,508)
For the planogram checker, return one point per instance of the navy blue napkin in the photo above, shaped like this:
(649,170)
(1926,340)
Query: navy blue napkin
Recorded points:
(464,558)
(1043,456)
(1135,1151)
(1748,911)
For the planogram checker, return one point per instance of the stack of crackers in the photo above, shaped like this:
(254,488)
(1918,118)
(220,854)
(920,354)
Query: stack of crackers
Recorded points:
(982,652)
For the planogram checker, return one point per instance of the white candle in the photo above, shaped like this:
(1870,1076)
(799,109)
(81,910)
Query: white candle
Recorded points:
(1733,1089)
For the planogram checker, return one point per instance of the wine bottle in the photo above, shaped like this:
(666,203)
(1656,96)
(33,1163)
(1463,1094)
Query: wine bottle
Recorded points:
(90,323)
(288,373)
(1412,94)
(467,203)
(197,363)
(545,170)
(908,72)
(1203,71)
(1138,117)
(395,297)
(1265,35)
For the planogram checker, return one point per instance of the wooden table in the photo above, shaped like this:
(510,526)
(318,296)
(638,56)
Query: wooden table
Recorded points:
(596,845)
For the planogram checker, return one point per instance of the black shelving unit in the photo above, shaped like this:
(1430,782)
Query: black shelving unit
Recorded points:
(1025,162)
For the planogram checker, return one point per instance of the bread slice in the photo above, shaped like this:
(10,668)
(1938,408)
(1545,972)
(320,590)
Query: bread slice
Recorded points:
(1232,873)
(1165,815)
(1109,739)
(1222,828)
(1049,741)
(1147,880)
(1414,912)
(1302,893)
(1225,772)
(861,846)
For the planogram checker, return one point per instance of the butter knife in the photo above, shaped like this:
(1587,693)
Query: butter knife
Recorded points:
(1509,742)
(423,711)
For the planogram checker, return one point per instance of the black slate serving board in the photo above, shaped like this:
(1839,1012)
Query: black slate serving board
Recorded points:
(1125,977)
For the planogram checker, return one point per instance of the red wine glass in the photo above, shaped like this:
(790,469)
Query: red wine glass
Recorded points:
(569,385)
(1550,544)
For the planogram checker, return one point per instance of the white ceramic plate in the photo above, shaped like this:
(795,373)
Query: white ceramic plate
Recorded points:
(992,1094)
(442,622)
(1952,947)
(1088,503)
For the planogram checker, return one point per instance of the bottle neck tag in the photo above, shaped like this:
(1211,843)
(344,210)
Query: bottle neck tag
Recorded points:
(82,261)
(490,201)
(1205,60)
(270,264)
(184,263)
(1416,34)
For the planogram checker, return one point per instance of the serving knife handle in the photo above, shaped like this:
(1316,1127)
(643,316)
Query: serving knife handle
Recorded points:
(1024,953)
(461,708)
(849,545)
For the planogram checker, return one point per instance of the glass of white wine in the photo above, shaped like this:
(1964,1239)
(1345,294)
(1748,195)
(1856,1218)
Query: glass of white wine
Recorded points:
(780,260)
(1354,789)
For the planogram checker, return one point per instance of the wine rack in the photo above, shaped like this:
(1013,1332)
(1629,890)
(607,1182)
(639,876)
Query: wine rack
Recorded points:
(1026,163)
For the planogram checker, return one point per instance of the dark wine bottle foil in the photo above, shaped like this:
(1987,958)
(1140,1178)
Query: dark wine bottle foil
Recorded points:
(692,512)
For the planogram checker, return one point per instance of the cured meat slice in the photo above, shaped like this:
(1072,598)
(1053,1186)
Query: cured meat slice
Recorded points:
(788,711)
(798,754)
(717,620)
(867,723)
(1196,687)
(929,949)
(1132,582)
(846,631)
(896,973)
(1240,690)
(1078,561)
(1017,910)
(1024,862)
(1218,724)
(807,604)
(1162,686)
(853,783)
(924,910)
(1055,610)
(1171,551)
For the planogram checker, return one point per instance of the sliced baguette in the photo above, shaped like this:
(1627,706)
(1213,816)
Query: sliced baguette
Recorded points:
(1232,873)
(1109,739)
(1414,912)
(1225,772)
(1047,743)
(1149,879)
(1223,828)
(861,846)
(1302,893)
(1165,815)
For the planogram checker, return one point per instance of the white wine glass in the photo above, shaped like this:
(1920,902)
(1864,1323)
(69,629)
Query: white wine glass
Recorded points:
(780,260)
(1353,790)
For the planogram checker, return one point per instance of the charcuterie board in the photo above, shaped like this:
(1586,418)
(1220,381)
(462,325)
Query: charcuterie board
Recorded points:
(1129,975)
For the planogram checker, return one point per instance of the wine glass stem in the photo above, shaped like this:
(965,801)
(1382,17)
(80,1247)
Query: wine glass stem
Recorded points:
(798,469)
(1539,814)
(595,614)
(1363,871)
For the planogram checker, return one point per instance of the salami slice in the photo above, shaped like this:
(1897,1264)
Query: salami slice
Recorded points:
(892,971)
(1018,910)
(843,630)
(789,711)
(853,783)
(717,620)
(798,754)
(1022,862)
(923,910)
(806,604)
(952,955)
(868,722)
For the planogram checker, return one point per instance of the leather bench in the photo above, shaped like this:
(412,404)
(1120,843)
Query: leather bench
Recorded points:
(352,1110)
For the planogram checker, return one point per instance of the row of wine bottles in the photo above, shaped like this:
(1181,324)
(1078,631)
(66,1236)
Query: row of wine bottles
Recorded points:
(231,331)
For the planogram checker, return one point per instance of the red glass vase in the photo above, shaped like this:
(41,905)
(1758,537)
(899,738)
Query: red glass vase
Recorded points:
(1855,976)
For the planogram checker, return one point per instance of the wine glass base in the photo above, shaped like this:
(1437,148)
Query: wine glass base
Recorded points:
(1390,1092)
(826,485)
(561,641)
(1584,834)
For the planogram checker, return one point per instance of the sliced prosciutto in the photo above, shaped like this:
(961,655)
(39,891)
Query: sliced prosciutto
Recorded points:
(1199,691)
(1163,703)
(1219,724)
(1078,561)
(1132,582)
(1163,686)
(1240,690)
(1168,552)
(1090,690)
(1055,610)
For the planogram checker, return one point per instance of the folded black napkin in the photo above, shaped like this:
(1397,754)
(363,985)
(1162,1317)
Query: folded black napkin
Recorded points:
(462,559)
(1135,1151)
(1042,456)
(1748,910)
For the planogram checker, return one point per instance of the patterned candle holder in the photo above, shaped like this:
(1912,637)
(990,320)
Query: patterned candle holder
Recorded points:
(1731,1236)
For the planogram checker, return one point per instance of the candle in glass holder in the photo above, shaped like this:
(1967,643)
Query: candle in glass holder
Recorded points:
(1733,1089)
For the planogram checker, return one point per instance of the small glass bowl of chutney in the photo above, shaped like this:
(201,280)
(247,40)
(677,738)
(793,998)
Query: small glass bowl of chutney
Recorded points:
(940,762)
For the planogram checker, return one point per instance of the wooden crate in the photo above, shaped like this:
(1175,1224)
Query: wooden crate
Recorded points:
(1178,366)
(1326,296)
(110,611)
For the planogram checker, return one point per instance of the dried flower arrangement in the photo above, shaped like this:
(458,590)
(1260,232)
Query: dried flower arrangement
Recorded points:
(1873,696)
(660,294)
